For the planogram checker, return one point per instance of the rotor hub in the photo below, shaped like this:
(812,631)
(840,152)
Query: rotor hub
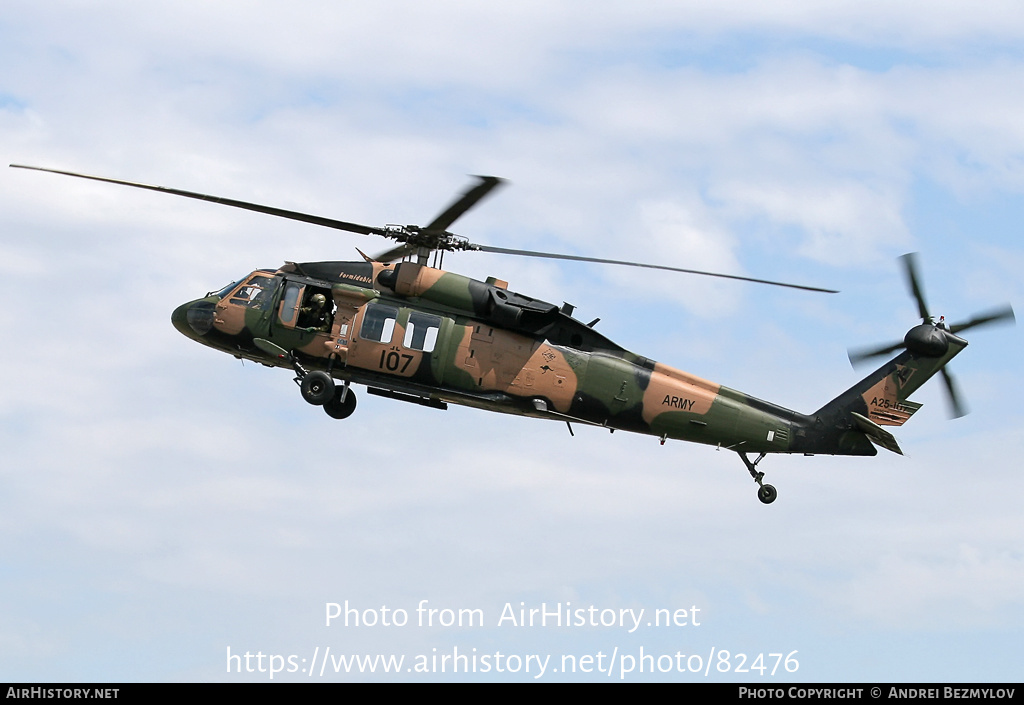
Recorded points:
(927,339)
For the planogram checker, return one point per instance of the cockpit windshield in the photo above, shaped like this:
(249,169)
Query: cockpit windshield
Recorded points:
(224,292)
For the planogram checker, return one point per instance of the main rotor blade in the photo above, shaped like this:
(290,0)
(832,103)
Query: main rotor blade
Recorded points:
(1004,313)
(957,408)
(466,201)
(268,210)
(910,264)
(395,253)
(598,260)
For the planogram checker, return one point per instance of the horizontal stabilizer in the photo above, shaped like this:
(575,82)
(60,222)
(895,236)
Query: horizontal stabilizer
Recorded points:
(878,435)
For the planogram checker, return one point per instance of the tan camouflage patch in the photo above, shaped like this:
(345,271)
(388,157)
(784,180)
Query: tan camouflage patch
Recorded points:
(674,390)
(498,360)
(884,406)
(414,279)
(229,317)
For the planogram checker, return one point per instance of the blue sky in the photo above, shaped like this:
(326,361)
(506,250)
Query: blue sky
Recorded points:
(161,504)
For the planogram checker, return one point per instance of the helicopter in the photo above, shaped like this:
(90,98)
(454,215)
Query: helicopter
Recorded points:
(411,331)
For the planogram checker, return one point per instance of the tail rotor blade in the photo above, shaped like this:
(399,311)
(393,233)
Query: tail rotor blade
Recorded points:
(1000,315)
(860,355)
(910,266)
(957,408)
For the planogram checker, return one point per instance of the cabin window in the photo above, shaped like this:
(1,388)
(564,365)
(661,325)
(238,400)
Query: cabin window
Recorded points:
(378,323)
(421,331)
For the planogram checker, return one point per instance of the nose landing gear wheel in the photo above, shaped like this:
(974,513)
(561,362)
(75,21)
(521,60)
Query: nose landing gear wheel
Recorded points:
(317,388)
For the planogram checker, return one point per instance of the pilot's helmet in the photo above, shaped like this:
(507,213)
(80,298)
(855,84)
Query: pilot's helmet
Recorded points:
(318,300)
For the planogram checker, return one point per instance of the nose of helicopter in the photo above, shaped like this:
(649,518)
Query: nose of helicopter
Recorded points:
(194,319)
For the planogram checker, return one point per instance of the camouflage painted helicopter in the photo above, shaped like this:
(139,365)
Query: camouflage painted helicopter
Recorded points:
(415,333)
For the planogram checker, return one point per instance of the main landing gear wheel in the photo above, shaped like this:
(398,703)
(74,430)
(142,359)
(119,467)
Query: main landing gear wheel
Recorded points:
(342,404)
(317,388)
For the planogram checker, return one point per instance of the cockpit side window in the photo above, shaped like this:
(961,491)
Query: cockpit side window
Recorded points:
(290,303)
(378,323)
(256,293)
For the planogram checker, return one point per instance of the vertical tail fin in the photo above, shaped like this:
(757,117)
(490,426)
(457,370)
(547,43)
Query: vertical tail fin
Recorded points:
(846,424)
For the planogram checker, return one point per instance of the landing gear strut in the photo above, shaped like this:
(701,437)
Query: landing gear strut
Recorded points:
(765,493)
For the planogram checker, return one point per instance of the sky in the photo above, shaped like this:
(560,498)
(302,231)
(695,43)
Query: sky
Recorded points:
(166,510)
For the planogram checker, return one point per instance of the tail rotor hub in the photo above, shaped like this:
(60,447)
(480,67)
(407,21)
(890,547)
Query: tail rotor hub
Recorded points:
(927,339)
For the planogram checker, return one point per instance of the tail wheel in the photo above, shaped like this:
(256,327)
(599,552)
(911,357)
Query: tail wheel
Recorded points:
(767,494)
(317,388)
